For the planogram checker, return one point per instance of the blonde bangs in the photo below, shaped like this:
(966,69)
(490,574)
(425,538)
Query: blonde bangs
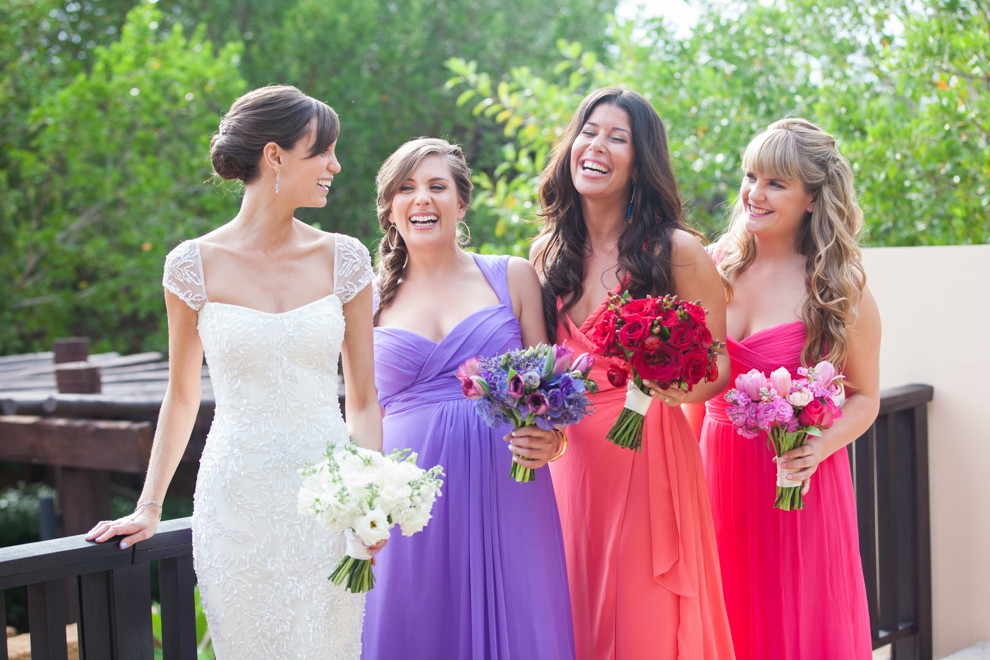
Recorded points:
(774,155)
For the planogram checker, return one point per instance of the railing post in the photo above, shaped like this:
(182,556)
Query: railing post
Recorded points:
(176,580)
(3,620)
(130,610)
(46,616)
(923,551)
(94,616)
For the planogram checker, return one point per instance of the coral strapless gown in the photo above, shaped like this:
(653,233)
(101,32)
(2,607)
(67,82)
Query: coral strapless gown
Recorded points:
(793,580)
(642,562)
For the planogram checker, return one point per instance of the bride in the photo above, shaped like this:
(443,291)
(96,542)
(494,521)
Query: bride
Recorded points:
(271,302)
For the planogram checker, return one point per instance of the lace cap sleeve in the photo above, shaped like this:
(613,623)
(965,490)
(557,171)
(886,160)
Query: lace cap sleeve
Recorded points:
(184,274)
(353,264)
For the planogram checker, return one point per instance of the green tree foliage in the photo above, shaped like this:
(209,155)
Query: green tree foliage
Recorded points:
(111,170)
(905,92)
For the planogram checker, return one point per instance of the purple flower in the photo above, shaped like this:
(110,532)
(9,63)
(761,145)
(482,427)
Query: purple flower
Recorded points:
(583,364)
(537,403)
(555,398)
(561,359)
(517,386)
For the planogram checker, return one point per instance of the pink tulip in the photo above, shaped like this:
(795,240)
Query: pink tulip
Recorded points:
(781,381)
(824,373)
(470,368)
(583,364)
(561,359)
(475,387)
(751,384)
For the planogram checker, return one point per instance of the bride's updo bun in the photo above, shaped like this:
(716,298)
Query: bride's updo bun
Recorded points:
(276,113)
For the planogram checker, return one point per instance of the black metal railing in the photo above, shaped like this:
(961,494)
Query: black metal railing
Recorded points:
(890,472)
(112,589)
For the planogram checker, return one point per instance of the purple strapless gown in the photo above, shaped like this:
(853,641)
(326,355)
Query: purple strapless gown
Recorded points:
(486,579)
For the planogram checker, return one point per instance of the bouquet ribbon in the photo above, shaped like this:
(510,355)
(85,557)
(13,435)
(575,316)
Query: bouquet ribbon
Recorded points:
(637,400)
(782,481)
(355,546)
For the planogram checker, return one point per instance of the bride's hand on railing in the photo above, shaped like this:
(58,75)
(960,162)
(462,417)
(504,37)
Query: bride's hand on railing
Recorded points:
(138,526)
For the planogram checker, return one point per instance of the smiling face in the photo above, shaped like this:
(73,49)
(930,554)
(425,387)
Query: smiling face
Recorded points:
(426,207)
(602,156)
(305,180)
(774,207)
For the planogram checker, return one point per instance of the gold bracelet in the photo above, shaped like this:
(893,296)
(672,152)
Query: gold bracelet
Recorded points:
(563,446)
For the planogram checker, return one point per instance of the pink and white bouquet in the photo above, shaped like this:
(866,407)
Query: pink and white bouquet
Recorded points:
(542,386)
(363,494)
(788,411)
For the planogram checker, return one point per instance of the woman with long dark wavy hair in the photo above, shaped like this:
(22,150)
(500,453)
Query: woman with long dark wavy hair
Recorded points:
(642,562)
(794,585)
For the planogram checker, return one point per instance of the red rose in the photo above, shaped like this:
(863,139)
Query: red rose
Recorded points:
(668,317)
(662,365)
(633,332)
(703,335)
(712,375)
(617,376)
(682,336)
(604,333)
(638,307)
(695,367)
(816,414)
(694,311)
(651,342)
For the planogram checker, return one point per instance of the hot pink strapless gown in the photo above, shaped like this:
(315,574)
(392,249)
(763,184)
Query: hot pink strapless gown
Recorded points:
(793,580)
(642,563)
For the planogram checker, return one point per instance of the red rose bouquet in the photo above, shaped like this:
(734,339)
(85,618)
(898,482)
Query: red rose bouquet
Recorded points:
(661,339)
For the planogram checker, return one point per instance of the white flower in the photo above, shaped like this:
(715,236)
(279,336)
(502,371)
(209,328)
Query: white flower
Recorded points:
(373,527)
(800,398)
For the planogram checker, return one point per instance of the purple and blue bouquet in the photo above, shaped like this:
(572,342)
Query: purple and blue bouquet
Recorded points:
(542,386)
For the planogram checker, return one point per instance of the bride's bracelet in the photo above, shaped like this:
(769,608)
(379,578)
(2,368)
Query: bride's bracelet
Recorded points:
(563,444)
(150,503)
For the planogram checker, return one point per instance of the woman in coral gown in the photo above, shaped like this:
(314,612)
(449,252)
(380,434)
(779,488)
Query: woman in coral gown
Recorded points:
(642,562)
(793,580)
(486,579)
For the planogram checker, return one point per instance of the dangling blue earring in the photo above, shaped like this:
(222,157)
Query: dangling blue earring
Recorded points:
(631,196)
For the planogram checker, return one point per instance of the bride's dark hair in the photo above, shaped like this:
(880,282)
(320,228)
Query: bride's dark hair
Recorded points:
(645,243)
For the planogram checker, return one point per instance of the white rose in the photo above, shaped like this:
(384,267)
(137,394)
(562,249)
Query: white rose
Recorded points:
(373,527)
(800,398)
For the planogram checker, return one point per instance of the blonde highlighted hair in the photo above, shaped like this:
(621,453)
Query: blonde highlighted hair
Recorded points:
(393,173)
(798,150)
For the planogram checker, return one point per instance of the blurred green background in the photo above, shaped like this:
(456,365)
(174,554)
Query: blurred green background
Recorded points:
(108,106)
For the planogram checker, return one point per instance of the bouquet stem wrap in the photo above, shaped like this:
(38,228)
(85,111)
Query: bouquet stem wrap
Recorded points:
(788,492)
(628,428)
(355,566)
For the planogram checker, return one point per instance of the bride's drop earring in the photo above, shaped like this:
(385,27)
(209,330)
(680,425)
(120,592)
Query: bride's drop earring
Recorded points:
(278,172)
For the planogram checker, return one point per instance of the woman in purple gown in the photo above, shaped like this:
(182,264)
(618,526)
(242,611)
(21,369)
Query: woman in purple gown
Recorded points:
(486,579)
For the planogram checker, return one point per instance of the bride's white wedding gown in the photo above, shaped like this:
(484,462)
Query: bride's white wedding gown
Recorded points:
(262,567)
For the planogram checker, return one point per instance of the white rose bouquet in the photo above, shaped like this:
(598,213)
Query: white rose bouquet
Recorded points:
(364,494)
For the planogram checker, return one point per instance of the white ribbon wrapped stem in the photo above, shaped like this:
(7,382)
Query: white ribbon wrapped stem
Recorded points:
(782,481)
(355,546)
(636,400)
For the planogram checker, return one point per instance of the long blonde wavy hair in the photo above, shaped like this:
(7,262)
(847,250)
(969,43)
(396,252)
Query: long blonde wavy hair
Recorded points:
(798,150)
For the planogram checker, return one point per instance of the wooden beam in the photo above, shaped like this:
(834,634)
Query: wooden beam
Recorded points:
(76,443)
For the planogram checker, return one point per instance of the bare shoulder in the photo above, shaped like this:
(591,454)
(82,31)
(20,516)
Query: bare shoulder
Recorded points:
(867,314)
(687,249)
(522,273)
(536,248)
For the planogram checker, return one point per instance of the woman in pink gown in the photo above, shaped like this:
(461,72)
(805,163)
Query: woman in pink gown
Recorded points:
(642,561)
(793,580)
